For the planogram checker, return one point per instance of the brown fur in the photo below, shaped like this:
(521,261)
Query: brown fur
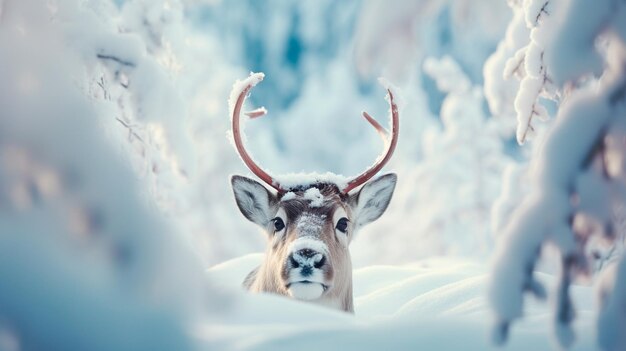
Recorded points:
(273,272)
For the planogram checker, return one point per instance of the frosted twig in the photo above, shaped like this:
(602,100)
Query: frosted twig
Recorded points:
(116,59)
(131,132)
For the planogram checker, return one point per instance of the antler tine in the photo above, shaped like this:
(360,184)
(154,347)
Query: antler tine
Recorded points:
(256,113)
(380,129)
(237,139)
(391,144)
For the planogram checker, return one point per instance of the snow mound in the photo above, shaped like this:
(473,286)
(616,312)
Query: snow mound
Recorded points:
(397,307)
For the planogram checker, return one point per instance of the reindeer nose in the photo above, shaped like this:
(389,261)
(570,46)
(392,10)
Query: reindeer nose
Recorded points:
(307,253)
(307,258)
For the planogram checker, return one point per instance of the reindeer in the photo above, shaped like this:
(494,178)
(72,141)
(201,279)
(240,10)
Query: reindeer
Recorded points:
(309,224)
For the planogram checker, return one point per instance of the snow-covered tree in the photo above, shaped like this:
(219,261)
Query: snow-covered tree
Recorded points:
(457,179)
(463,159)
(576,55)
(85,261)
(522,55)
(395,41)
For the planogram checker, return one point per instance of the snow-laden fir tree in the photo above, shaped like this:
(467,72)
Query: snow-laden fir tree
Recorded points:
(458,178)
(576,55)
(85,262)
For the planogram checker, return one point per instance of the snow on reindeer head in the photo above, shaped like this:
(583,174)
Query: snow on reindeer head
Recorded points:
(310,219)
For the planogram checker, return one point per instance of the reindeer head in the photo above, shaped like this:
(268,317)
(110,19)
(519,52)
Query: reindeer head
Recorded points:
(310,223)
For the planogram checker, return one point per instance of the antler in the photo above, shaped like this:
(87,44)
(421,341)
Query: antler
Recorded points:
(239,94)
(240,91)
(391,144)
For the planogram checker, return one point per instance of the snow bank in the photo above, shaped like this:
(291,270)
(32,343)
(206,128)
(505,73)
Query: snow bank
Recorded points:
(436,304)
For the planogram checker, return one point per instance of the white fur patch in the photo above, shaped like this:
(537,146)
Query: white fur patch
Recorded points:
(296,277)
(253,199)
(374,198)
(306,291)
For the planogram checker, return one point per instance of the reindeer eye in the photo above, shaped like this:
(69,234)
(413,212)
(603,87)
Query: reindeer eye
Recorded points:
(278,224)
(342,225)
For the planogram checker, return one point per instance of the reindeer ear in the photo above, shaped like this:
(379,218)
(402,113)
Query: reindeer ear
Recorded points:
(373,198)
(253,199)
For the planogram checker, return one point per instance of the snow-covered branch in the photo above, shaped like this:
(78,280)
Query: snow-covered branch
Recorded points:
(85,262)
(521,55)
(578,180)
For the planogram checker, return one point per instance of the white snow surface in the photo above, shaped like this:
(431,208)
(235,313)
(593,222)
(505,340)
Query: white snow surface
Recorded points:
(294,180)
(290,195)
(314,196)
(433,304)
(239,86)
(308,242)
